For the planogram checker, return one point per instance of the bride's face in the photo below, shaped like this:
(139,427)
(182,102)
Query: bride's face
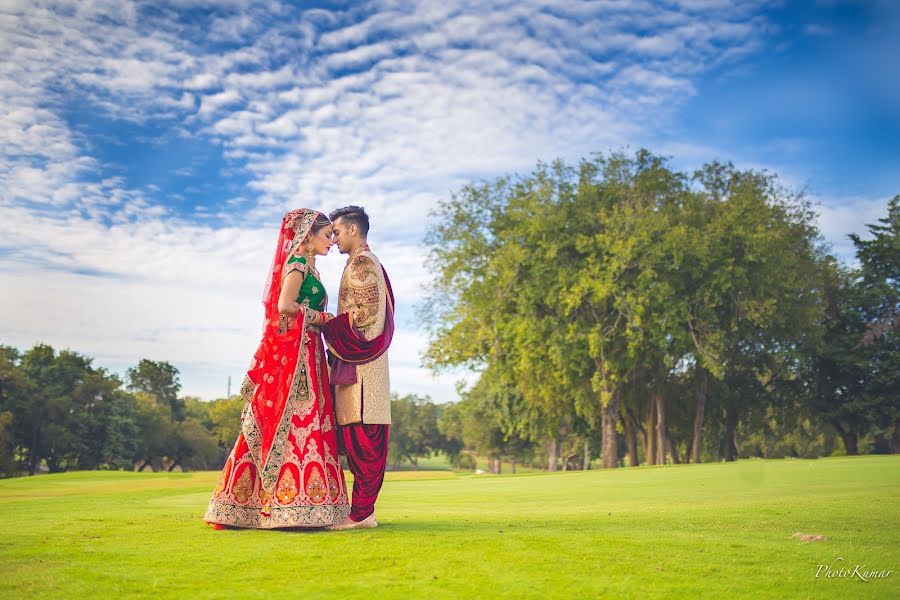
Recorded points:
(320,241)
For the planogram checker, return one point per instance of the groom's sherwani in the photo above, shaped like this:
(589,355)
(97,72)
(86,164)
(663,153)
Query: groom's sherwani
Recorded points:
(364,291)
(362,390)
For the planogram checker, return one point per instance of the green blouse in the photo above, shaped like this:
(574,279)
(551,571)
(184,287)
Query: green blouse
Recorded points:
(312,292)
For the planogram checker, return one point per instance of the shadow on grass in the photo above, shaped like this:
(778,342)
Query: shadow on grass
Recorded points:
(433,527)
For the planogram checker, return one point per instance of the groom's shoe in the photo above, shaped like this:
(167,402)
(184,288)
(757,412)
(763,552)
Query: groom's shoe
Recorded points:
(368,523)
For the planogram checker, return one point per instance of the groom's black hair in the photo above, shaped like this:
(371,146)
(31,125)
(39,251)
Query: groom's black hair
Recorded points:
(353,214)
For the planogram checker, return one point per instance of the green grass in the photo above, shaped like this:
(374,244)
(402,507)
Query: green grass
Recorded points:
(717,530)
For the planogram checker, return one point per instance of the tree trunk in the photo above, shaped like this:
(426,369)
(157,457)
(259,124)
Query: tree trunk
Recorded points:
(849,439)
(52,464)
(850,443)
(895,440)
(554,453)
(702,391)
(609,449)
(586,465)
(630,440)
(731,421)
(34,457)
(673,450)
(512,464)
(660,428)
(650,435)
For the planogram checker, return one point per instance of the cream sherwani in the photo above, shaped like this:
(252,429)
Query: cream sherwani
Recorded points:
(363,290)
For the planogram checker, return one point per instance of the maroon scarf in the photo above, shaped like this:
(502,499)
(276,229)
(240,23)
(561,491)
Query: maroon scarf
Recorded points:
(349,348)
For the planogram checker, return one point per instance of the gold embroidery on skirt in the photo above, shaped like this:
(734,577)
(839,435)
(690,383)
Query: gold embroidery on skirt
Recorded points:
(220,486)
(287,488)
(333,488)
(315,487)
(244,487)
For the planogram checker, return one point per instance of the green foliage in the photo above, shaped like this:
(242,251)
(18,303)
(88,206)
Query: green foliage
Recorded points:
(157,433)
(414,430)
(465,462)
(121,432)
(854,366)
(581,293)
(8,466)
(159,379)
(194,447)
(59,412)
(878,296)
(225,420)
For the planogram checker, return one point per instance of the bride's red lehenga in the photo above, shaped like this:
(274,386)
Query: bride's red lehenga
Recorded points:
(284,469)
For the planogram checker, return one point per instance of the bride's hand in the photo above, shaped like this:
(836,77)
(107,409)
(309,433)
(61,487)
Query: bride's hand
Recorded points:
(294,312)
(328,316)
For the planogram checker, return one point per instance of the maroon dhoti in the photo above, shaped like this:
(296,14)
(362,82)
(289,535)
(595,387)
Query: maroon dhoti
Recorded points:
(366,447)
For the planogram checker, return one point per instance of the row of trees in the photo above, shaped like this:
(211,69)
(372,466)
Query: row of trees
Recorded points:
(663,316)
(60,412)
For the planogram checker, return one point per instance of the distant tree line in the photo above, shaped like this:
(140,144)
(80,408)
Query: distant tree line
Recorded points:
(624,310)
(59,412)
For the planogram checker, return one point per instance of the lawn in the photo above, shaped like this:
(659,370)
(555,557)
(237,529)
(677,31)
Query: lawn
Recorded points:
(716,530)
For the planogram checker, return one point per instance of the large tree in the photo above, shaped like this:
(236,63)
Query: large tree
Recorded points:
(854,366)
(159,379)
(414,429)
(878,293)
(574,284)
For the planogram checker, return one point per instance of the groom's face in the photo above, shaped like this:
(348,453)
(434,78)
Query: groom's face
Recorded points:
(342,235)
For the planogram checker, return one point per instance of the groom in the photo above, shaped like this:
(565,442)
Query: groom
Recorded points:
(358,339)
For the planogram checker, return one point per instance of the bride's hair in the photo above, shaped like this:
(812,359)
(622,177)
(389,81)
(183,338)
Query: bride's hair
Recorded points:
(321,221)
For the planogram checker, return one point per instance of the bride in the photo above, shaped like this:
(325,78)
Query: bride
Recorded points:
(283,470)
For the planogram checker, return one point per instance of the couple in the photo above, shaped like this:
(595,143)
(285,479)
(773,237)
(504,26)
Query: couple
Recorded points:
(284,469)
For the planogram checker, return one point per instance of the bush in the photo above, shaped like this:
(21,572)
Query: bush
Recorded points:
(465,461)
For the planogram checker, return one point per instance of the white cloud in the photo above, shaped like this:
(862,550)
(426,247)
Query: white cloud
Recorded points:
(838,218)
(174,291)
(213,102)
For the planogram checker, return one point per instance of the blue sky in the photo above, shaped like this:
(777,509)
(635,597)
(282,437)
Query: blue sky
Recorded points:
(147,149)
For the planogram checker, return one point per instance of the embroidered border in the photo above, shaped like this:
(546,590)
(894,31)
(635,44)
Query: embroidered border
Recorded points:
(281,516)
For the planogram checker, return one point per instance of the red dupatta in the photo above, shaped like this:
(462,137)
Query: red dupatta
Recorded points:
(277,372)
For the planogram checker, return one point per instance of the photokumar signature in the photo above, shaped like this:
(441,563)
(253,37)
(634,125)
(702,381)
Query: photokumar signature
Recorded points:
(861,571)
